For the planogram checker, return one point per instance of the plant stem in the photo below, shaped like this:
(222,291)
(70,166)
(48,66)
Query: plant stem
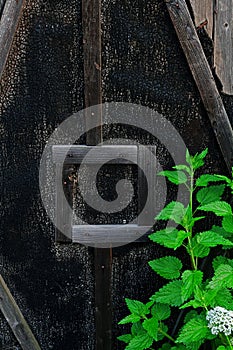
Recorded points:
(229,342)
(166,335)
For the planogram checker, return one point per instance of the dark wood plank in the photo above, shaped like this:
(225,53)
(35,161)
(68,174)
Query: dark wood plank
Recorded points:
(15,319)
(63,217)
(223,44)
(75,154)
(8,26)
(106,235)
(91,20)
(203,77)
(146,180)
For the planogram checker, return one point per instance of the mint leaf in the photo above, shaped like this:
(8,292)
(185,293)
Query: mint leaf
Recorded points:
(168,267)
(190,279)
(188,157)
(193,331)
(212,239)
(175,176)
(221,260)
(190,315)
(161,311)
(198,160)
(169,237)
(227,223)
(170,294)
(137,307)
(204,180)
(210,194)
(137,329)
(130,319)
(219,208)
(125,338)
(173,211)
(151,326)
(223,277)
(199,250)
(182,167)
(140,342)
(165,346)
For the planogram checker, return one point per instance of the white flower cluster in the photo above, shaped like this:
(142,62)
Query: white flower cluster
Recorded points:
(220,320)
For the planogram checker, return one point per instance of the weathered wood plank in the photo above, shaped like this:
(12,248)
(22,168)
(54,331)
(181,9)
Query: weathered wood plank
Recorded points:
(8,25)
(75,154)
(63,217)
(2,3)
(15,319)
(146,199)
(91,20)
(107,235)
(223,44)
(204,14)
(203,77)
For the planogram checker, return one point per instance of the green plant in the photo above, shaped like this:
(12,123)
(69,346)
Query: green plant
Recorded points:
(205,302)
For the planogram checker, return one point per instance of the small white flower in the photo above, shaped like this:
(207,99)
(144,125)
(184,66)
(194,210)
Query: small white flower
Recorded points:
(220,320)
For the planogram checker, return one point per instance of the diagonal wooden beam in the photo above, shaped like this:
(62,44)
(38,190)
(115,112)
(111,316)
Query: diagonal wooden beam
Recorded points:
(203,76)
(15,319)
(8,26)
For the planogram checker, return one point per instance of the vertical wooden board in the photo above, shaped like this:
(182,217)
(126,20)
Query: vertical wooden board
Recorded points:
(15,319)
(147,161)
(203,14)
(63,218)
(223,44)
(91,10)
(8,25)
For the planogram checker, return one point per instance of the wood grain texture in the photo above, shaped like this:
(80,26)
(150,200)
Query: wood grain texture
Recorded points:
(203,77)
(147,161)
(223,44)
(8,26)
(107,234)
(91,14)
(102,154)
(63,217)
(15,319)
(203,14)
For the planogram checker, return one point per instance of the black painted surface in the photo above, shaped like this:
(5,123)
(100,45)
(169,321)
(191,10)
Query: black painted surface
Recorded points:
(42,85)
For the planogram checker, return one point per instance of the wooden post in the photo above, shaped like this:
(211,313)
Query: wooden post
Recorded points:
(203,77)
(91,14)
(9,22)
(15,319)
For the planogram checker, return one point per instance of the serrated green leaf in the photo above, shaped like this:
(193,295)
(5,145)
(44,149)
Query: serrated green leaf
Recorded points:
(227,223)
(188,157)
(199,250)
(170,294)
(221,231)
(198,159)
(161,311)
(168,267)
(221,347)
(219,208)
(151,326)
(223,277)
(173,211)
(222,297)
(126,338)
(178,347)
(177,177)
(162,329)
(193,331)
(130,319)
(219,260)
(190,315)
(137,329)
(137,307)
(204,180)
(192,303)
(210,194)
(165,346)
(190,279)
(169,237)
(140,342)
(212,239)
(182,167)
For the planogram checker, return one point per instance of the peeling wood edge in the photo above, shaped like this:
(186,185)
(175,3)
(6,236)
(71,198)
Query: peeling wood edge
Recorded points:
(8,25)
(203,77)
(15,319)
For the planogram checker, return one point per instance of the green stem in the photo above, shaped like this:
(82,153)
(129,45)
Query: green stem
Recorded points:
(166,335)
(229,342)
